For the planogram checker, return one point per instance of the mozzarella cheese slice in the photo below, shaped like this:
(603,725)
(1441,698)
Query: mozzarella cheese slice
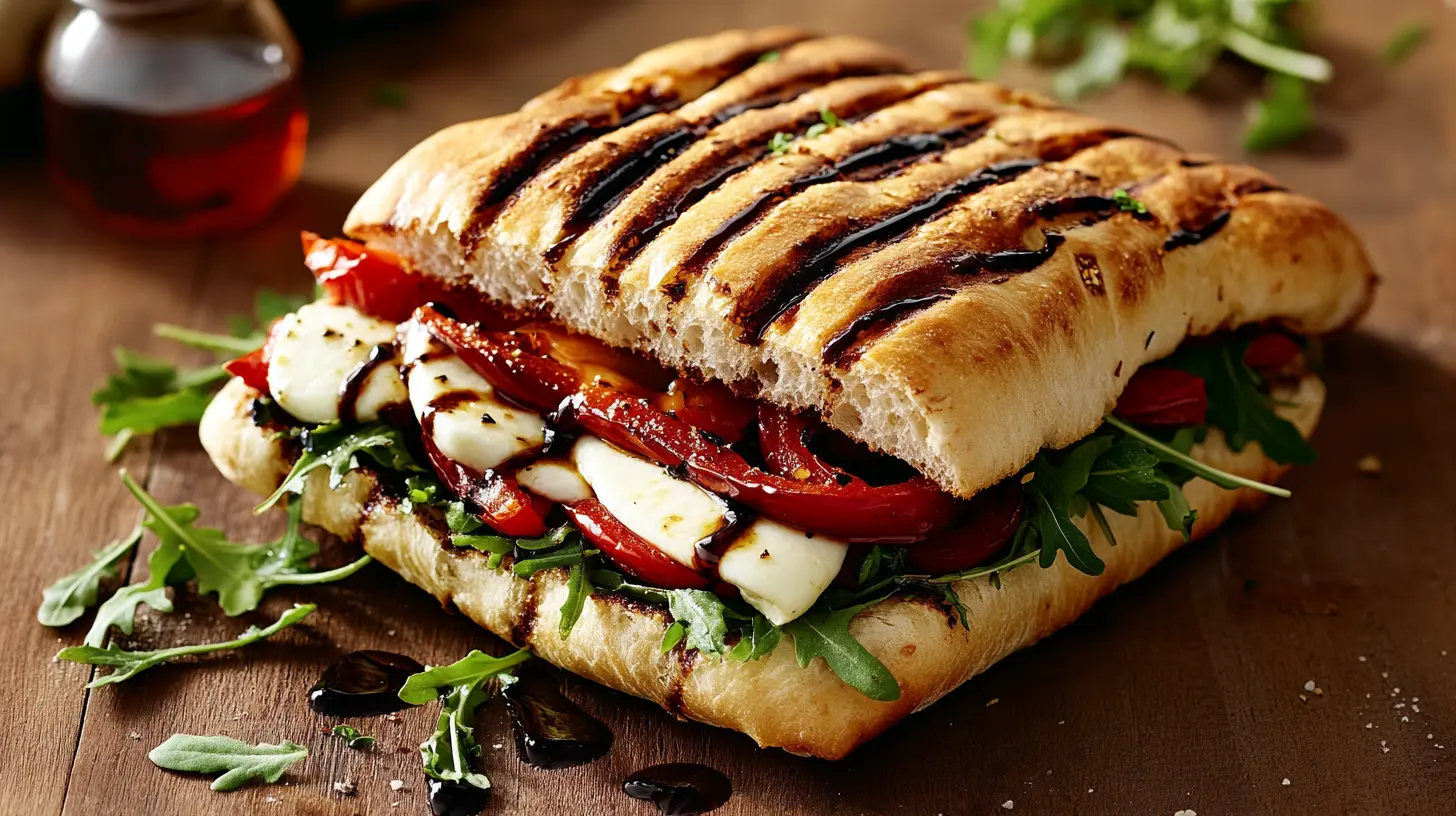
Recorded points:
(457,408)
(670,514)
(781,570)
(314,351)
(554,480)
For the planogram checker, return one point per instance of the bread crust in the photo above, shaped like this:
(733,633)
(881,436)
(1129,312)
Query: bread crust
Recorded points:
(806,711)
(678,233)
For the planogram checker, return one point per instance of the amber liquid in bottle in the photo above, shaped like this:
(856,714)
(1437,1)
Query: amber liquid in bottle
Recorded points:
(178,165)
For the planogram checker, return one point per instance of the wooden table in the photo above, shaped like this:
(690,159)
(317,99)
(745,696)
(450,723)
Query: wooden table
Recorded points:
(1179,692)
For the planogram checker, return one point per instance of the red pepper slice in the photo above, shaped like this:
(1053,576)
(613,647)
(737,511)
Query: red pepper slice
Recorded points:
(504,505)
(710,406)
(252,368)
(629,551)
(1272,350)
(900,513)
(376,283)
(994,514)
(1163,396)
(783,436)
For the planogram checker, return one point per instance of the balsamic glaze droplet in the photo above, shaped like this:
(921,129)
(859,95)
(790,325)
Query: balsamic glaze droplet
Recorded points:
(362,684)
(551,731)
(679,788)
(450,798)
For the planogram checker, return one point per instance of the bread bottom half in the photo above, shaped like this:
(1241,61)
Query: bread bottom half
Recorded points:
(806,711)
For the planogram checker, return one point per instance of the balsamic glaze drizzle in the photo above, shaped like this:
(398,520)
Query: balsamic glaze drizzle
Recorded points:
(362,684)
(551,731)
(1188,236)
(680,788)
(353,384)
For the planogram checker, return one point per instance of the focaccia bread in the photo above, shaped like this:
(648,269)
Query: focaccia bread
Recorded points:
(806,710)
(941,268)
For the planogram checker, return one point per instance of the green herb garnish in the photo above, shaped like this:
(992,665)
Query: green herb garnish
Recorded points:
(128,664)
(338,448)
(351,736)
(237,761)
(70,596)
(462,686)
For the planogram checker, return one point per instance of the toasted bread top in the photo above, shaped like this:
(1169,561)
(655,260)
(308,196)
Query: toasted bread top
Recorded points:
(942,268)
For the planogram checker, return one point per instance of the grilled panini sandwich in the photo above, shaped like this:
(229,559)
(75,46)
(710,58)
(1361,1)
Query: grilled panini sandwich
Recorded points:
(787,387)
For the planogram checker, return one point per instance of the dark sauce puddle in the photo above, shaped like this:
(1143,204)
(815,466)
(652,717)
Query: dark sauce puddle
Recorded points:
(363,684)
(679,788)
(449,798)
(551,731)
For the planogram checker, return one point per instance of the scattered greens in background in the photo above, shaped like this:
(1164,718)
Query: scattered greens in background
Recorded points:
(462,687)
(1096,43)
(147,394)
(69,597)
(126,664)
(351,736)
(237,761)
(390,95)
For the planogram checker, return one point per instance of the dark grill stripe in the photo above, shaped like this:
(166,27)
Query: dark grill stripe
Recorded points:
(559,139)
(712,172)
(941,279)
(872,163)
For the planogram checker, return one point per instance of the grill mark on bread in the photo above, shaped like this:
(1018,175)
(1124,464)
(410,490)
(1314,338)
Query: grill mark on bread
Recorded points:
(557,139)
(803,270)
(525,623)
(867,164)
(635,163)
(707,175)
(941,279)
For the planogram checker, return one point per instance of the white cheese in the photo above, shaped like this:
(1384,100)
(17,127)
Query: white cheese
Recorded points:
(781,570)
(557,481)
(670,514)
(471,427)
(314,351)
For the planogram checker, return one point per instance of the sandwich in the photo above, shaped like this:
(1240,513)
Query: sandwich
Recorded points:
(786,387)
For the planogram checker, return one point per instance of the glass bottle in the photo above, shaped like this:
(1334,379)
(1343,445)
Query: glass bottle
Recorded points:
(173,118)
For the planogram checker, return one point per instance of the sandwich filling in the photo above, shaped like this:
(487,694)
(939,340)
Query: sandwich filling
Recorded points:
(543,449)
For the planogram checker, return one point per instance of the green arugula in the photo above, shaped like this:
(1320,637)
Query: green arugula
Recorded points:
(463,686)
(148,394)
(338,448)
(826,635)
(1405,41)
(1178,41)
(1126,203)
(238,573)
(166,566)
(351,736)
(238,761)
(702,615)
(127,664)
(71,595)
(780,143)
(1238,403)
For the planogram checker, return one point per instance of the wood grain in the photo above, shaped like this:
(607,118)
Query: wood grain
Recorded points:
(1179,692)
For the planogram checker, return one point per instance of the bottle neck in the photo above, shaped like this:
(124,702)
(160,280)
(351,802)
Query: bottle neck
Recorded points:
(142,8)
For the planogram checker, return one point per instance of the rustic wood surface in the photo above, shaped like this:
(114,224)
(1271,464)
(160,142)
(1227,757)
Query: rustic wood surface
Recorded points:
(1179,692)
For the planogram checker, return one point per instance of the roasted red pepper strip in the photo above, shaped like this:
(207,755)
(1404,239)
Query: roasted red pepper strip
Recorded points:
(508,509)
(710,407)
(900,513)
(1163,396)
(375,283)
(629,551)
(251,368)
(992,518)
(783,436)
(1272,350)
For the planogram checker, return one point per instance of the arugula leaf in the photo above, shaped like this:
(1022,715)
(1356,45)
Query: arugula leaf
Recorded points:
(227,344)
(463,685)
(1103,61)
(338,448)
(351,736)
(826,635)
(827,121)
(758,640)
(472,669)
(1049,510)
(238,573)
(1126,203)
(769,56)
(71,595)
(702,614)
(238,761)
(127,664)
(780,142)
(1283,115)
(1405,41)
(1237,404)
(578,589)
(167,567)
(672,637)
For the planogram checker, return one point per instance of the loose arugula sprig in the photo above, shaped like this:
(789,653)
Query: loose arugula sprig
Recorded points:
(463,687)
(70,596)
(238,761)
(147,394)
(1175,40)
(782,141)
(351,736)
(128,664)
